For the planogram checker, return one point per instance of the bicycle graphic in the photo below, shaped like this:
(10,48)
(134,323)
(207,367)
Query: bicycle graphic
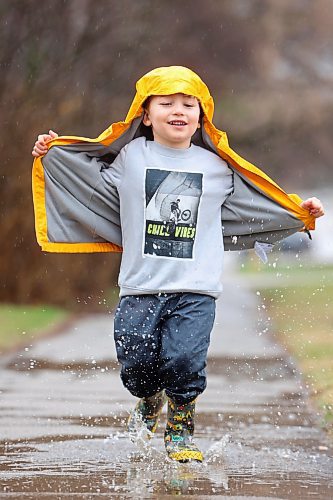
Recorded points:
(177,215)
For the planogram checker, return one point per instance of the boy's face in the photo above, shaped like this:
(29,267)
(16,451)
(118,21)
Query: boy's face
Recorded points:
(173,118)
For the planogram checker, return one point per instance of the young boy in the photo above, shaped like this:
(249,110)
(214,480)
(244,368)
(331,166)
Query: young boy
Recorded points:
(170,193)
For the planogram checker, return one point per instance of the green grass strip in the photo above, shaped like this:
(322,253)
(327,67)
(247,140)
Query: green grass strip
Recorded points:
(21,323)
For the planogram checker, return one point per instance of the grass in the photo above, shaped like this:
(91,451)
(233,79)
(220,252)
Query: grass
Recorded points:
(24,323)
(299,301)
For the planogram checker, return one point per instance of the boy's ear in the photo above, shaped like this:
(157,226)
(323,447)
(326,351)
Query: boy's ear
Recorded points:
(146,120)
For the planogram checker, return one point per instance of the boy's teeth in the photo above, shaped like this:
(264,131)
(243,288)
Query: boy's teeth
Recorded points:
(177,123)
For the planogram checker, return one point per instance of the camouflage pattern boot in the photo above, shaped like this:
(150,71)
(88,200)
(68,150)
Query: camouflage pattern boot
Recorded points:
(146,414)
(179,432)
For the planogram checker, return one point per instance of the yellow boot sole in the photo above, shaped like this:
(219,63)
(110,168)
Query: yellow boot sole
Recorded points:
(186,456)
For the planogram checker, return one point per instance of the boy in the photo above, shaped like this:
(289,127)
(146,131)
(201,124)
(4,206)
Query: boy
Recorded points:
(170,274)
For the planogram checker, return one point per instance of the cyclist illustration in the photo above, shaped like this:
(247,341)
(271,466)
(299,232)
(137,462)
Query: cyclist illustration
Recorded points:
(176,215)
(175,211)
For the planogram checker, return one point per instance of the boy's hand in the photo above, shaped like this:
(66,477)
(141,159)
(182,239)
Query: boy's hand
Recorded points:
(40,147)
(314,206)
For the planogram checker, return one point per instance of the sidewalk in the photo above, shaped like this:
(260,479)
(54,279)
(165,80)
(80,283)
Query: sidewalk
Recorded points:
(63,411)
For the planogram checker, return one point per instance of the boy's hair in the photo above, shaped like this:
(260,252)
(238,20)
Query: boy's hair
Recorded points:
(146,103)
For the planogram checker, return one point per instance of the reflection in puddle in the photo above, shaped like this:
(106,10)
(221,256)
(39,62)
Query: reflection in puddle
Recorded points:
(141,469)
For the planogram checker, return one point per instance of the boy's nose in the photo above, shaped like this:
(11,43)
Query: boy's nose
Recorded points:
(178,110)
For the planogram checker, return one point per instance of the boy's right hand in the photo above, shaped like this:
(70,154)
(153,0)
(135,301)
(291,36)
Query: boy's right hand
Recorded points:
(40,147)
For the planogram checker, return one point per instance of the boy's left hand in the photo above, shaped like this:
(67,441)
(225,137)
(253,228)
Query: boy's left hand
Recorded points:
(314,206)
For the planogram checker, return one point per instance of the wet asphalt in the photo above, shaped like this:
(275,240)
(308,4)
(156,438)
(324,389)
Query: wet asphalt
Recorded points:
(63,413)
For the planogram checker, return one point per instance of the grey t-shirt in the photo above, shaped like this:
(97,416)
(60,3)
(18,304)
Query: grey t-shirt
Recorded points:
(170,211)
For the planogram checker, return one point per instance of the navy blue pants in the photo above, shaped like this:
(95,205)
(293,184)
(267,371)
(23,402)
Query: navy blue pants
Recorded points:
(162,342)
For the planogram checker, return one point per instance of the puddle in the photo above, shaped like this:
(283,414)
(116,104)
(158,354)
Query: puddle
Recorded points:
(119,468)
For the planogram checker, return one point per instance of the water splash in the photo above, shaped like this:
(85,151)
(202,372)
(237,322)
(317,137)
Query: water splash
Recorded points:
(215,454)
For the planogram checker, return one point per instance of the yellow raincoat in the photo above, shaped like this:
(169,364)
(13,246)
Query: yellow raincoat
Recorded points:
(75,213)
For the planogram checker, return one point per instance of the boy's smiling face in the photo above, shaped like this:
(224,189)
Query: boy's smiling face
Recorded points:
(173,118)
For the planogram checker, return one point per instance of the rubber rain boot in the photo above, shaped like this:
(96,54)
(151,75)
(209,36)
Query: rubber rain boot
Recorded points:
(179,433)
(146,414)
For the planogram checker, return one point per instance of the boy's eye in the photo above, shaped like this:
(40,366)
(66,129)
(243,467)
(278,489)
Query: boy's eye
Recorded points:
(186,105)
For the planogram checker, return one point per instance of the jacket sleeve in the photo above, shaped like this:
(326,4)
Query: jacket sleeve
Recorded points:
(75,209)
(249,216)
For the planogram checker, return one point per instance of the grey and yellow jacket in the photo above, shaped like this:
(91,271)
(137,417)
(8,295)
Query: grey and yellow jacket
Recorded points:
(76,212)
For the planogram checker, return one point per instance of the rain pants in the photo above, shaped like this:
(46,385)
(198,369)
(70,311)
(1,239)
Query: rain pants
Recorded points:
(75,211)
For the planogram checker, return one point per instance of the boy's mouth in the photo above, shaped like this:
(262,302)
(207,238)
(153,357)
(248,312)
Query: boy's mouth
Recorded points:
(178,123)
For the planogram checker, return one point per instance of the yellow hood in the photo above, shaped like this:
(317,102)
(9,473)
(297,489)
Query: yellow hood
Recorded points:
(171,80)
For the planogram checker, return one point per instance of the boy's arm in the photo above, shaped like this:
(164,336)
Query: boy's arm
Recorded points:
(40,147)
(314,206)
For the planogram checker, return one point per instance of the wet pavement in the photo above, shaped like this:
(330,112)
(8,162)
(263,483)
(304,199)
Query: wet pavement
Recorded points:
(63,413)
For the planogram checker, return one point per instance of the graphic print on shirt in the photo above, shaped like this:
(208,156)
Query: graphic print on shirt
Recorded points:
(172,204)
